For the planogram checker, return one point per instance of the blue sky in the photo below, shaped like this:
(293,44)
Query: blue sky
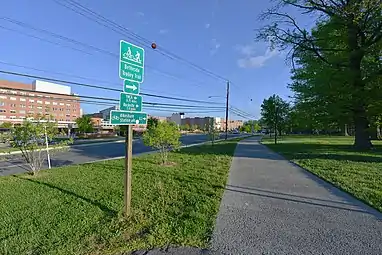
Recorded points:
(217,35)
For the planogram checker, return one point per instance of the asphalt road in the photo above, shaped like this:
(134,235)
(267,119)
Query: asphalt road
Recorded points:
(78,154)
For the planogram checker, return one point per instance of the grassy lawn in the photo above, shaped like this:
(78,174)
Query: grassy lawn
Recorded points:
(334,159)
(77,209)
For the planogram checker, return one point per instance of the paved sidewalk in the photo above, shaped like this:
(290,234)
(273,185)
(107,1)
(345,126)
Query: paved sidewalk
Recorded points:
(271,206)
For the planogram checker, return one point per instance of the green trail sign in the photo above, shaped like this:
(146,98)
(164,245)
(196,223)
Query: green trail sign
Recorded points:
(131,87)
(130,102)
(128,118)
(131,58)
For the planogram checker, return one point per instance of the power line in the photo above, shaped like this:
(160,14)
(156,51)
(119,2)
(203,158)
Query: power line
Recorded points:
(42,39)
(103,88)
(135,37)
(85,45)
(78,77)
(78,97)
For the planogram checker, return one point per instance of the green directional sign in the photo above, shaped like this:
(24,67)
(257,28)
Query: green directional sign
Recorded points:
(131,87)
(131,62)
(128,118)
(130,102)
(130,72)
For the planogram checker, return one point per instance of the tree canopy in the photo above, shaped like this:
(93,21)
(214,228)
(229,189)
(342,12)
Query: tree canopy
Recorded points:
(337,65)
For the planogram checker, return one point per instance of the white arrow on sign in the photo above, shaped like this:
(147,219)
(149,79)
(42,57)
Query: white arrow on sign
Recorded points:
(133,87)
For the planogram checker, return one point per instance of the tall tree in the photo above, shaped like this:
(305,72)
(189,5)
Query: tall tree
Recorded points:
(274,112)
(84,124)
(346,35)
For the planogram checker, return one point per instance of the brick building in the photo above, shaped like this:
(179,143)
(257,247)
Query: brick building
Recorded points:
(20,100)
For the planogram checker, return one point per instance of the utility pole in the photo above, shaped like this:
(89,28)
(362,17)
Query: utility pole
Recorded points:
(226,113)
(128,167)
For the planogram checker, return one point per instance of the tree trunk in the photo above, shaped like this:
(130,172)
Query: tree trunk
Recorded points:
(346,130)
(362,139)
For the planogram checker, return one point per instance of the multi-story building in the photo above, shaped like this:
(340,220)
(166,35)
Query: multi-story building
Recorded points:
(20,100)
(202,122)
(232,124)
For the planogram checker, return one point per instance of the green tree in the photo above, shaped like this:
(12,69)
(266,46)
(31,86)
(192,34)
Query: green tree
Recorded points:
(85,124)
(193,127)
(345,46)
(152,122)
(274,112)
(164,137)
(187,127)
(8,125)
(213,132)
(30,138)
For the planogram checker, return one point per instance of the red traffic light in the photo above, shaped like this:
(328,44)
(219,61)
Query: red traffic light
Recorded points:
(154,46)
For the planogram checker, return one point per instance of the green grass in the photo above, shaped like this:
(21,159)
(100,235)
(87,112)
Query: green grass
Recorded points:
(336,161)
(77,209)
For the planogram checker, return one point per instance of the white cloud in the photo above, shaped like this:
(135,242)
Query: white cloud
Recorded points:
(251,61)
(207,26)
(215,45)
(246,50)
(163,31)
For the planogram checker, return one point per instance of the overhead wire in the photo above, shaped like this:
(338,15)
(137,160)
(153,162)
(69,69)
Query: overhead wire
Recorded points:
(133,36)
(102,88)
(87,47)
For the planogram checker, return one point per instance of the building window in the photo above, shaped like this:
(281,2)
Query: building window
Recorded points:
(74,110)
(67,110)
(2,103)
(39,107)
(12,111)
(54,103)
(47,96)
(68,105)
(46,102)
(31,100)
(39,102)
(23,106)
(23,99)
(62,104)
(12,117)
(32,95)
(67,115)
(2,110)
(12,105)
(61,109)
(3,117)
(3,91)
(13,98)
(30,106)
(22,111)
(23,93)
(31,112)
(40,95)
(3,97)
(14,92)
(74,116)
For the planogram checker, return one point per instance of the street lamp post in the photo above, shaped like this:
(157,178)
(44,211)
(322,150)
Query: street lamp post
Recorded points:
(226,110)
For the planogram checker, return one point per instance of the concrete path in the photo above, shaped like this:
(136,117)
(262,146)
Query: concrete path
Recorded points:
(271,206)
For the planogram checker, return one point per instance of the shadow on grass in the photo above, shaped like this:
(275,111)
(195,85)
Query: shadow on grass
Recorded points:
(108,211)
